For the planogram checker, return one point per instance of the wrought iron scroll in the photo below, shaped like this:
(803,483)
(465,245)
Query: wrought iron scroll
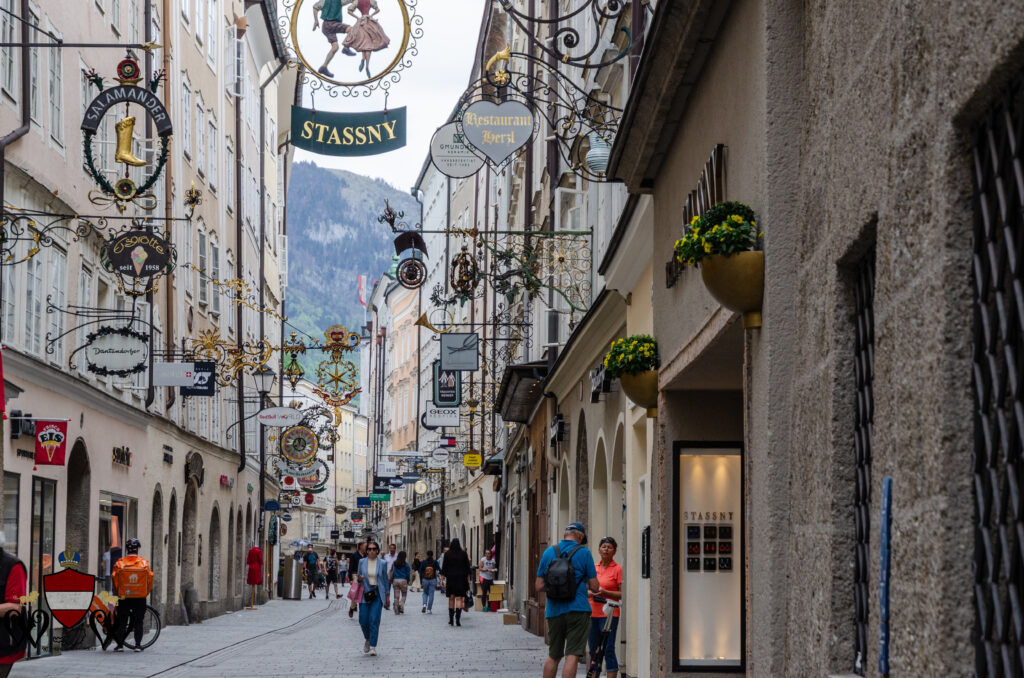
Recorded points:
(564,43)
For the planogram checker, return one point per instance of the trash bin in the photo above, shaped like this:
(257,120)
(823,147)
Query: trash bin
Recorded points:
(292,587)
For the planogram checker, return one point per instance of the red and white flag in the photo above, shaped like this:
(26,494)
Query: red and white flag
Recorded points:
(51,437)
(362,290)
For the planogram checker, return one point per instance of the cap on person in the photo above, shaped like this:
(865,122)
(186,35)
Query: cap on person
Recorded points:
(577,527)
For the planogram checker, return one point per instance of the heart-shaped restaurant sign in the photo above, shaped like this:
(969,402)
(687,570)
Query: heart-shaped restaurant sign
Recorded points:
(497,130)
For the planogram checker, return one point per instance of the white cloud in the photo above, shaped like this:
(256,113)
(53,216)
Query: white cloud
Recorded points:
(429,88)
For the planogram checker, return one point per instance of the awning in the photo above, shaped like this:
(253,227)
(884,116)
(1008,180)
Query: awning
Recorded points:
(522,386)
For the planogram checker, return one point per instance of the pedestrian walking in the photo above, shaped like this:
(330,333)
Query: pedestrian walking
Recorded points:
(428,571)
(488,566)
(456,573)
(342,569)
(609,578)
(400,581)
(133,580)
(331,572)
(391,556)
(254,571)
(312,563)
(353,571)
(565,572)
(414,583)
(373,575)
(13,583)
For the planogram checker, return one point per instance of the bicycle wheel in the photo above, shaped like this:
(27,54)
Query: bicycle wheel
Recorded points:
(151,626)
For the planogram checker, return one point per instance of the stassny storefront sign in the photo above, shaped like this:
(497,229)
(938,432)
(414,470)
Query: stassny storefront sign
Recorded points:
(348,134)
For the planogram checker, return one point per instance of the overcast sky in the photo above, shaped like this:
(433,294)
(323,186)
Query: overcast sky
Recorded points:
(429,89)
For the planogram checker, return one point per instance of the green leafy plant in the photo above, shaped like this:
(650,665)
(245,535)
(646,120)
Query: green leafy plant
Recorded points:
(632,355)
(726,228)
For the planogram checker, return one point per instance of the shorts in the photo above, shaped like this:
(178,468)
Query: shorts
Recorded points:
(310,576)
(332,577)
(567,634)
(332,28)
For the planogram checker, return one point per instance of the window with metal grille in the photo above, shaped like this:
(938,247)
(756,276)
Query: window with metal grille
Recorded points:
(864,414)
(999,397)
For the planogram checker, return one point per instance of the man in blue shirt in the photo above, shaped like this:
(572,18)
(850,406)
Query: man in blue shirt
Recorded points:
(568,620)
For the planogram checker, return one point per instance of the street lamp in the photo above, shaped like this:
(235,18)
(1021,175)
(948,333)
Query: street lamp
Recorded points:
(264,379)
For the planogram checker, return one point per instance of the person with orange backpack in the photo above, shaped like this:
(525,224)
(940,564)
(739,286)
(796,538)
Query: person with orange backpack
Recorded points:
(133,580)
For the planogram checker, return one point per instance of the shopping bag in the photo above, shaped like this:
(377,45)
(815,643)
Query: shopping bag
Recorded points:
(355,592)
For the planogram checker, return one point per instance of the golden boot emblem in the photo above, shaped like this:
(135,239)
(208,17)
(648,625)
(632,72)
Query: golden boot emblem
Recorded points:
(125,128)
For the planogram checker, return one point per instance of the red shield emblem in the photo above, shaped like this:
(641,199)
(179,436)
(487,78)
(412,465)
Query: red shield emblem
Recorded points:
(68,594)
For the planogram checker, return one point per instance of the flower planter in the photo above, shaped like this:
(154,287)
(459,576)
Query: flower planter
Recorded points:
(642,389)
(737,282)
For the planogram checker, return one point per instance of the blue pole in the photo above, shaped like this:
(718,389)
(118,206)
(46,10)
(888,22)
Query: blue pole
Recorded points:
(883,576)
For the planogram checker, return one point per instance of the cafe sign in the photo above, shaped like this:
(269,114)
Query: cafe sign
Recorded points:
(137,254)
(117,351)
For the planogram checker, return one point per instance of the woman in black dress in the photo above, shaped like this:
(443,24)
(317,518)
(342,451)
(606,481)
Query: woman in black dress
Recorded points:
(455,574)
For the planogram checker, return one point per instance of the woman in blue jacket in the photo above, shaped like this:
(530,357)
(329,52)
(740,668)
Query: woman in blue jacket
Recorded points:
(373,575)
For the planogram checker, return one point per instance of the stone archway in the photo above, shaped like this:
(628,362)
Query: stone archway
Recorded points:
(582,479)
(171,599)
(78,503)
(156,551)
(563,502)
(617,490)
(249,540)
(189,540)
(240,553)
(214,564)
(598,526)
(231,553)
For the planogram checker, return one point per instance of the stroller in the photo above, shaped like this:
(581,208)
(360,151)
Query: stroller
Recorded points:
(594,670)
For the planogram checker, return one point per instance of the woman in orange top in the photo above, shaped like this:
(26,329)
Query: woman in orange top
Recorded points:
(609,576)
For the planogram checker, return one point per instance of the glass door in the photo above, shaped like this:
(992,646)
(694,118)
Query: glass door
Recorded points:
(44,508)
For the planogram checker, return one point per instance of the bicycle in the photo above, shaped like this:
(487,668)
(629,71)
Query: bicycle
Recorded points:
(594,670)
(74,636)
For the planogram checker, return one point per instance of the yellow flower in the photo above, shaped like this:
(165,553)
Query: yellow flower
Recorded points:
(707,247)
(737,218)
(694,220)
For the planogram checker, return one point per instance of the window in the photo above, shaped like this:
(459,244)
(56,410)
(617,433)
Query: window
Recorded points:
(10,307)
(115,15)
(86,297)
(211,140)
(231,306)
(56,64)
(12,482)
(133,21)
(186,10)
(8,55)
(215,405)
(204,285)
(34,304)
(186,126)
(211,34)
(215,275)
(200,136)
(189,259)
(229,176)
(58,296)
(204,417)
(34,74)
(200,20)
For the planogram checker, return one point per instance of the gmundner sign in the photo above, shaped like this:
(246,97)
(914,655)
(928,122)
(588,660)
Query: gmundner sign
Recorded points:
(116,351)
(497,130)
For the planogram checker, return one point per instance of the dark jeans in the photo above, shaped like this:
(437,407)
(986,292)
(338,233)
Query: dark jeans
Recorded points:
(485,589)
(133,609)
(611,663)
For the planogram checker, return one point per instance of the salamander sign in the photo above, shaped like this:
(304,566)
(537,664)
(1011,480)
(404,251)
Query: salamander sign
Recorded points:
(349,134)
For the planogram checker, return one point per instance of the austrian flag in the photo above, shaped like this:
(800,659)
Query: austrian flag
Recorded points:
(50,439)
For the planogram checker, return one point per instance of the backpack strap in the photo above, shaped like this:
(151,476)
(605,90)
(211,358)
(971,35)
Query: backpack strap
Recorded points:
(569,555)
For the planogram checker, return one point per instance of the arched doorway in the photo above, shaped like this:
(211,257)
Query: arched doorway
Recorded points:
(231,551)
(582,513)
(462,540)
(599,516)
(171,598)
(189,537)
(617,490)
(240,553)
(248,527)
(213,565)
(79,488)
(156,541)
(563,502)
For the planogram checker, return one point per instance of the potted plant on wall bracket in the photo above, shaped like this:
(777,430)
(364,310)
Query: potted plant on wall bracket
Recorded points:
(723,242)
(634,362)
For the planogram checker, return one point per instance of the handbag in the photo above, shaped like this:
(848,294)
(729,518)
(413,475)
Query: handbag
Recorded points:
(355,592)
(370,595)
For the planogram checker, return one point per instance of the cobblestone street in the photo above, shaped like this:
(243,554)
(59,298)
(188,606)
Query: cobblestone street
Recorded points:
(316,637)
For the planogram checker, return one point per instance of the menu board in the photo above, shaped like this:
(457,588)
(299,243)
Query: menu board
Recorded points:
(710,603)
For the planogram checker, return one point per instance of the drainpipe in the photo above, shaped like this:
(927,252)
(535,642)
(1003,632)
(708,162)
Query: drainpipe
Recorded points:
(169,214)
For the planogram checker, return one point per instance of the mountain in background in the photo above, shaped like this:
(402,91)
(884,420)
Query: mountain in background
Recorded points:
(333,237)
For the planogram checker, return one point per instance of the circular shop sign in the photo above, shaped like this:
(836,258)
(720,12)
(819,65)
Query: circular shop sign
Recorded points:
(440,454)
(298,444)
(420,487)
(451,155)
(137,254)
(116,351)
(375,34)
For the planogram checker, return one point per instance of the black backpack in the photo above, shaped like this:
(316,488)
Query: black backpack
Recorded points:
(560,577)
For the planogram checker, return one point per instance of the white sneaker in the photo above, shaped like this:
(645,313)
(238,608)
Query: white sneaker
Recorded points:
(366,646)
(373,652)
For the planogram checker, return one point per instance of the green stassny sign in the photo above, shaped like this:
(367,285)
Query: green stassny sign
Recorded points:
(348,134)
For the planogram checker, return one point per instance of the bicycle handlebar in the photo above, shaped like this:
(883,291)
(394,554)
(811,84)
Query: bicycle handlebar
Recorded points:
(605,601)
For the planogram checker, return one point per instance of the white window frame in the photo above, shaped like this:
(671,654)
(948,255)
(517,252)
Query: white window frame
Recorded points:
(200,22)
(55,78)
(200,136)
(9,55)
(213,147)
(57,277)
(34,75)
(35,280)
(214,275)
(186,117)
(202,264)
(186,9)
(211,34)
(229,176)
(115,16)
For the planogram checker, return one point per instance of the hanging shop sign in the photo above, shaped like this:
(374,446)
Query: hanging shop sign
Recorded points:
(280,416)
(451,155)
(335,534)
(387,469)
(117,351)
(348,134)
(460,352)
(380,496)
(296,500)
(357,516)
(122,456)
(436,416)
(298,444)
(124,190)
(410,477)
(204,380)
(194,468)
(396,483)
(361,502)
(51,442)
(497,130)
(420,487)
(271,505)
(173,374)
(380,484)
(472,460)
(309,498)
(440,454)
(286,517)
(137,254)
(447,387)
(227,481)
